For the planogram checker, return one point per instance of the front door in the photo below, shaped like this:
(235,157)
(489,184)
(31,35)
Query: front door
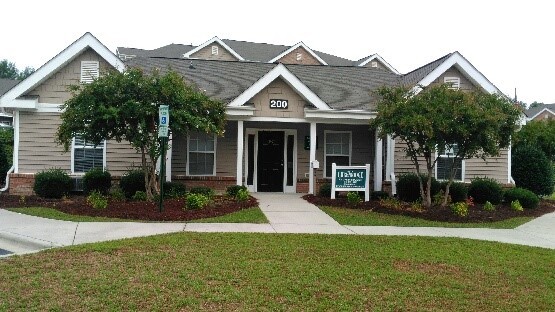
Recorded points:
(270,161)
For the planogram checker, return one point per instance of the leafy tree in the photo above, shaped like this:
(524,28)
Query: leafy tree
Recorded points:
(124,106)
(478,124)
(535,104)
(6,152)
(539,133)
(8,70)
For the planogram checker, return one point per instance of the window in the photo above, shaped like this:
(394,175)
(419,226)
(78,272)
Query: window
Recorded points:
(444,163)
(202,154)
(299,56)
(86,156)
(454,82)
(89,71)
(214,50)
(337,150)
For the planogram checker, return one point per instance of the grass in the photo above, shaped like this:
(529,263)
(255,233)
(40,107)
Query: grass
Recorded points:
(231,271)
(347,216)
(249,215)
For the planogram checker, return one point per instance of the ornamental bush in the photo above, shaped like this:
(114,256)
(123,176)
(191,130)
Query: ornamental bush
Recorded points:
(485,189)
(325,190)
(197,201)
(458,191)
(525,197)
(97,200)
(232,190)
(97,179)
(532,170)
(52,183)
(132,181)
(140,196)
(203,190)
(242,195)
(353,198)
(460,209)
(377,195)
(174,190)
(408,187)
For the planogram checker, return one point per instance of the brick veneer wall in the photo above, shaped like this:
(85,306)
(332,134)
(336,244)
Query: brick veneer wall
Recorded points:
(21,184)
(219,184)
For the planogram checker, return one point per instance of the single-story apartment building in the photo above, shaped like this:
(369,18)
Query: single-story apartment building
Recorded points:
(292,112)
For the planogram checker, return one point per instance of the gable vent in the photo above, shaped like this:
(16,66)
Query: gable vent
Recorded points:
(89,71)
(453,82)
(299,56)
(214,50)
(374,64)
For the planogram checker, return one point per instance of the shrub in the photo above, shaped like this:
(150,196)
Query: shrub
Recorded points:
(408,187)
(458,191)
(532,170)
(140,196)
(97,200)
(485,189)
(377,195)
(391,203)
(97,179)
(325,190)
(460,209)
(132,181)
(174,190)
(197,201)
(353,198)
(203,190)
(52,183)
(516,206)
(488,206)
(117,194)
(232,190)
(526,198)
(242,195)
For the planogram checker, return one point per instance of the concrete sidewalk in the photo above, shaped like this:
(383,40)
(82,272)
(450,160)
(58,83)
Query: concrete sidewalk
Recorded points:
(287,213)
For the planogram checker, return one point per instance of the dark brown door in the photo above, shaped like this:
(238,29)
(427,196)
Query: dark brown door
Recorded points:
(270,161)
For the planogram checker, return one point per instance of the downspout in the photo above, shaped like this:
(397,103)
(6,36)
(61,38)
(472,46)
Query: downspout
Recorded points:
(5,188)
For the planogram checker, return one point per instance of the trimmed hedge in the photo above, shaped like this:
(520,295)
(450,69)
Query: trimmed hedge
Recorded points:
(458,191)
(232,190)
(174,190)
(203,190)
(132,181)
(52,183)
(526,197)
(325,190)
(485,189)
(408,187)
(532,170)
(98,180)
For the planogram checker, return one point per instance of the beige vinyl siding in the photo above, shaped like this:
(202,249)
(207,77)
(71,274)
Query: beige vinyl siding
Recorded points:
(454,72)
(404,164)
(120,157)
(493,167)
(306,59)
(206,53)
(37,147)
(54,89)
(278,89)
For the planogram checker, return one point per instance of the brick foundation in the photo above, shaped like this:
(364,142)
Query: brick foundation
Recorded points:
(21,184)
(219,184)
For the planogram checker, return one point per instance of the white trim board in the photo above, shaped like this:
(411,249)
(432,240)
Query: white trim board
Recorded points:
(209,42)
(60,60)
(302,45)
(280,71)
(376,56)
(465,67)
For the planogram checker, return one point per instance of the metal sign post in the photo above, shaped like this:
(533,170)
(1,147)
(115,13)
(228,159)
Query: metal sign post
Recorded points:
(163,124)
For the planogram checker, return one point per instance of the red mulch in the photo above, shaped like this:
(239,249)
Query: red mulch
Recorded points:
(135,210)
(437,213)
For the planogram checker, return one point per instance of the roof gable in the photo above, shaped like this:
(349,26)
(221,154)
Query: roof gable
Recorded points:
(280,71)
(381,60)
(293,48)
(52,66)
(544,110)
(211,41)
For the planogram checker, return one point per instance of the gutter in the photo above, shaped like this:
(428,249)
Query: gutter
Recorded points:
(7,179)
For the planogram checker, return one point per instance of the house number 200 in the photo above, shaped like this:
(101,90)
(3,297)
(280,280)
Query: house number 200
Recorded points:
(280,104)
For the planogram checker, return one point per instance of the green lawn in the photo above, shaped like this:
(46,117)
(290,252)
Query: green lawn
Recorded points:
(281,272)
(347,216)
(249,215)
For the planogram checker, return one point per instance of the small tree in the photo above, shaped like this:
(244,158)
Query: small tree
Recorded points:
(124,106)
(478,124)
(540,134)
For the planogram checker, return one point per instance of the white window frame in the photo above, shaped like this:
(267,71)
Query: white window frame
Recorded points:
(87,73)
(215,50)
(446,155)
(455,82)
(204,152)
(86,147)
(326,147)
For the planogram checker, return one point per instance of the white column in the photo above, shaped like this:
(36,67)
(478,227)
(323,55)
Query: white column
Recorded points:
(240,137)
(169,159)
(16,141)
(390,162)
(312,157)
(378,170)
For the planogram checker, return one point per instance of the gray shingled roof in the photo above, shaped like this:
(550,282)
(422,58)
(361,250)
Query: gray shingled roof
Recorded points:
(257,52)
(339,87)
(171,50)
(534,110)
(7,84)
(412,78)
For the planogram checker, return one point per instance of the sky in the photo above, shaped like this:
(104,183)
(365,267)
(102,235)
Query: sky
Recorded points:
(510,42)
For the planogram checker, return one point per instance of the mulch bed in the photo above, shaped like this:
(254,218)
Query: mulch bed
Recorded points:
(134,210)
(437,213)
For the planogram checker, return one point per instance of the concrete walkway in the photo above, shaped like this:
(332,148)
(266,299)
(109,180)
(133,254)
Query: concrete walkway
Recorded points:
(287,213)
